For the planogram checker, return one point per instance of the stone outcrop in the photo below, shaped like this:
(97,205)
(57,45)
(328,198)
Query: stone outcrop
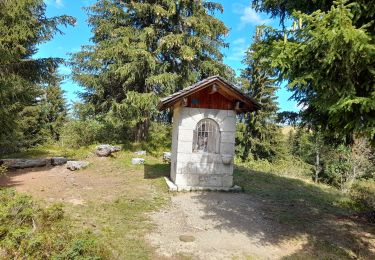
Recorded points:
(76,165)
(105,150)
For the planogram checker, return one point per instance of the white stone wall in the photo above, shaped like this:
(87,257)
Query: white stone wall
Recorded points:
(176,119)
(198,169)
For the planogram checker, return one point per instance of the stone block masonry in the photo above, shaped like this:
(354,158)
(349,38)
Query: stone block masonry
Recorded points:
(199,170)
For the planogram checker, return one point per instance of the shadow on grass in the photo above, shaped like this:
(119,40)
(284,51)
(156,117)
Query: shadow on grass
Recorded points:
(277,209)
(155,171)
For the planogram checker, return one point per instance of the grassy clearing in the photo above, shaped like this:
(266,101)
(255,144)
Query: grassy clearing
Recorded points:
(310,211)
(293,191)
(122,223)
(115,212)
(117,224)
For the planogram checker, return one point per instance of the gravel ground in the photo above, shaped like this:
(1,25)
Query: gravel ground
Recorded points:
(224,225)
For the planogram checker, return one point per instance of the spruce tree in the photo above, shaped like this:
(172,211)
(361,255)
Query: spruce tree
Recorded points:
(23,26)
(259,136)
(54,110)
(328,59)
(147,47)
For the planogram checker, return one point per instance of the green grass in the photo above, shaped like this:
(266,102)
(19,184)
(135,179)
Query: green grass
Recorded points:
(118,225)
(122,223)
(305,209)
(44,151)
(321,249)
(30,231)
(293,191)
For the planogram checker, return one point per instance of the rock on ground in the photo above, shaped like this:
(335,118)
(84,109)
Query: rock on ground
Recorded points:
(76,165)
(138,161)
(140,152)
(23,163)
(105,150)
(167,156)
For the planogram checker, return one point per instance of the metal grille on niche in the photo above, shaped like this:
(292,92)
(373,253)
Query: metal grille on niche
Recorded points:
(206,137)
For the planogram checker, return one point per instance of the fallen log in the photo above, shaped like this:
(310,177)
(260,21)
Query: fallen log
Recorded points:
(13,164)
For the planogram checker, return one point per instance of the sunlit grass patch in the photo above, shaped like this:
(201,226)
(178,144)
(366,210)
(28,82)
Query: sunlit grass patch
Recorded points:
(292,192)
(45,151)
(30,231)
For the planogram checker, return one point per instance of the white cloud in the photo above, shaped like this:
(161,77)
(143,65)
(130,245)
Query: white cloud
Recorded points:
(59,3)
(239,41)
(56,3)
(249,16)
(237,50)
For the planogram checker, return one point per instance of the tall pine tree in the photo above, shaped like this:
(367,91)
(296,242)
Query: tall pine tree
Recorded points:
(23,26)
(147,47)
(258,135)
(328,59)
(54,109)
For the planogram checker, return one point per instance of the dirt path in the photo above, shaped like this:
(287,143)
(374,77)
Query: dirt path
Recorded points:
(101,181)
(220,231)
(239,226)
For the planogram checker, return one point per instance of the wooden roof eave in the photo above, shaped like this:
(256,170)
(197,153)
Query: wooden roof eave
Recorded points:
(232,91)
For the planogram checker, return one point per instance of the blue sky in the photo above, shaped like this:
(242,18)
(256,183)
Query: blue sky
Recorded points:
(238,15)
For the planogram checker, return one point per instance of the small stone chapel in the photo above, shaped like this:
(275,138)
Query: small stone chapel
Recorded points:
(203,136)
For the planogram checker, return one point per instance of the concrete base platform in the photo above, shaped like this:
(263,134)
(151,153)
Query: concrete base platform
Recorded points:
(174,187)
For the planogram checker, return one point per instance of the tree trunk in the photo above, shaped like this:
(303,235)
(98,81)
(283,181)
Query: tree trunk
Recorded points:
(141,131)
(317,166)
(350,180)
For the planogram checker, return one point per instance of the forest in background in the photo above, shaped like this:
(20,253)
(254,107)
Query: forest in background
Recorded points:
(144,50)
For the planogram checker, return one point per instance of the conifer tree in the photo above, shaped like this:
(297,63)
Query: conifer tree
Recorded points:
(23,26)
(143,47)
(328,61)
(54,109)
(259,136)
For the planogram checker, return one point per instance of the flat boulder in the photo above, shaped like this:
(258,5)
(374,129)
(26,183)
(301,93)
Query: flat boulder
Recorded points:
(138,161)
(76,165)
(167,156)
(140,153)
(58,161)
(23,163)
(105,150)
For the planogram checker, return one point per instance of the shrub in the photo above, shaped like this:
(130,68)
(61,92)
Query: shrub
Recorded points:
(363,191)
(79,133)
(28,231)
(159,138)
(288,166)
(336,166)
(3,170)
